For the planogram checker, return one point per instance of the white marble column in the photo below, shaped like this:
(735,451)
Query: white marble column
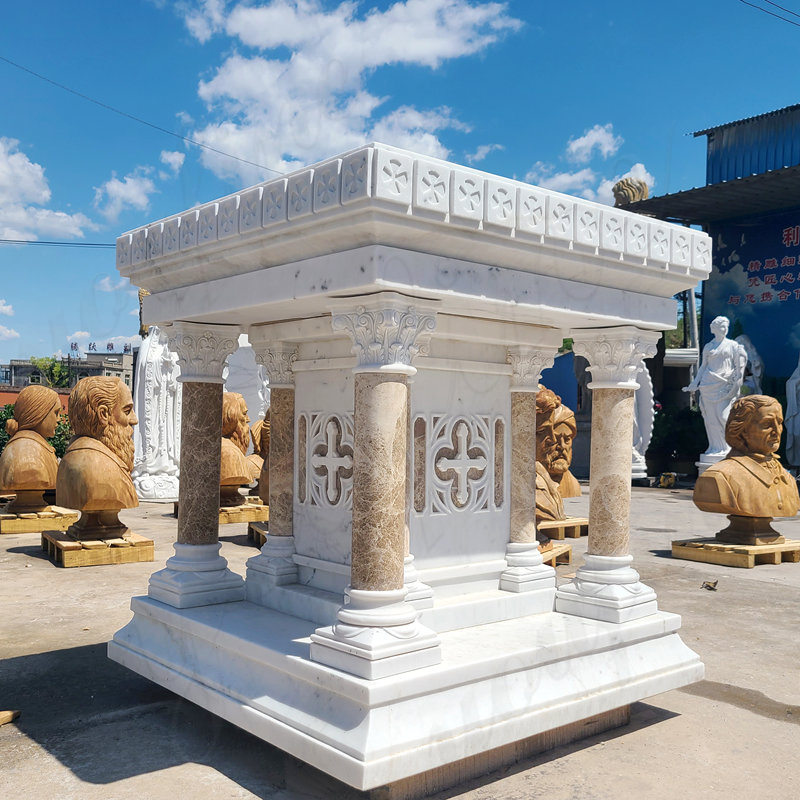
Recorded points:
(377,632)
(197,575)
(606,587)
(275,564)
(526,571)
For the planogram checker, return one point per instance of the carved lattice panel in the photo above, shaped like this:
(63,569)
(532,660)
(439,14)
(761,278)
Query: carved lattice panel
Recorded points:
(328,460)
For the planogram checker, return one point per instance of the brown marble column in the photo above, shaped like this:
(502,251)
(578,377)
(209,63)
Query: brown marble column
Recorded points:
(377,632)
(526,571)
(197,574)
(606,587)
(275,564)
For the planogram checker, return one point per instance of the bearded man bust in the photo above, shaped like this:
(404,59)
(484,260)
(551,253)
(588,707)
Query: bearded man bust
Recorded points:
(750,485)
(28,464)
(559,460)
(549,505)
(94,475)
(235,470)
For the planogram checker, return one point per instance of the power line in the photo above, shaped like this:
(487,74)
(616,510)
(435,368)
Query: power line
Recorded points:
(772,13)
(787,10)
(135,118)
(46,243)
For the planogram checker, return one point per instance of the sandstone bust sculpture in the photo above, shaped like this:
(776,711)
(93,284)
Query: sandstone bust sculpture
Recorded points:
(28,464)
(259,458)
(95,474)
(719,381)
(549,505)
(564,430)
(235,470)
(750,485)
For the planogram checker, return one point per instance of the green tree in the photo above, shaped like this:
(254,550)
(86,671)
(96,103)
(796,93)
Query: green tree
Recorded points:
(53,370)
(6,412)
(59,440)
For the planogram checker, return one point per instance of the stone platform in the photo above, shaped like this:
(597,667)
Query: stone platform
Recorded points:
(56,518)
(67,551)
(497,684)
(712,551)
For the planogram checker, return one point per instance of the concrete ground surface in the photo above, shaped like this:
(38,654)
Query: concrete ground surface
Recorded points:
(90,729)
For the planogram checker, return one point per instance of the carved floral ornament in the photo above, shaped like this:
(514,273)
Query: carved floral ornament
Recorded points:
(527,364)
(386,337)
(615,355)
(278,360)
(202,349)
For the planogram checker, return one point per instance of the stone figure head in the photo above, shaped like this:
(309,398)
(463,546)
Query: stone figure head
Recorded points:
(102,408)
(564,429)
(546,447)
(37,409)
(629,190)
(754,425)
(260,434)
(720,325)
(235,422)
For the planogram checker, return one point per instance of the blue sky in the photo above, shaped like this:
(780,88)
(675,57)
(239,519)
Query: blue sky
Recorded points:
(569,95)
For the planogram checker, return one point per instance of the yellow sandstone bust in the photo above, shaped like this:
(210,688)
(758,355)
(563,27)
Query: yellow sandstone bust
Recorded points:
(28,464)
(750,485)
(549,505)
(235,470)
(560,460)
(95,474)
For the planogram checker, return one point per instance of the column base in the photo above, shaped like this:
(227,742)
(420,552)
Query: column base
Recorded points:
(419,594)
(526,571)
(377,634)
(197,575)
(608,589)
(273,566)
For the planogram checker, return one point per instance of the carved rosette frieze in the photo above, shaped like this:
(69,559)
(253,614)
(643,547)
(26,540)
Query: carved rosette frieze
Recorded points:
(202,349)
(615,354)
(387,334)
(527,365)
(278,359)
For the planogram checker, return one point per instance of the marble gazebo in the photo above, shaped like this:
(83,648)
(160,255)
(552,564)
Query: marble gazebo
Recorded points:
(399,617)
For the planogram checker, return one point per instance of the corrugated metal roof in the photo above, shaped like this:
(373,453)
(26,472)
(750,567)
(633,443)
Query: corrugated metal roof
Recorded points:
(775,113)
(752,196)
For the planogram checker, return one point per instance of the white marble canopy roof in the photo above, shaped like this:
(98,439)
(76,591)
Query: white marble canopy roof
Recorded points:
(380,218)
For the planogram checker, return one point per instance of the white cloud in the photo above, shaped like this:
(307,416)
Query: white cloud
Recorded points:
(482,151)
(6,308)
(7,333)
(23,192)
(115,195)
(134,312)
(106,284)
(601,138)
(579,183)
(304,94)
(173,159)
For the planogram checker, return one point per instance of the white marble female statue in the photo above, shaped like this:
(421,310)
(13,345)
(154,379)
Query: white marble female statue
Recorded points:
(157,404)
(792,420)
(643,417)
(754,370)
(719,381)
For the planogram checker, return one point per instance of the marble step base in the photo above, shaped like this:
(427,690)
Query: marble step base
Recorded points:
(66,551)
(712,551)
(496,684)
(55,518)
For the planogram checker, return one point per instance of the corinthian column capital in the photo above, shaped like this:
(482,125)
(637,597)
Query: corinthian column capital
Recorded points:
(202,349)
(527,365)
(277,358)
(387,330)
(614,354)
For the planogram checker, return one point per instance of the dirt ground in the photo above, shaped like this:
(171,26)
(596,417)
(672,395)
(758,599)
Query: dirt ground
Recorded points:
(90,728)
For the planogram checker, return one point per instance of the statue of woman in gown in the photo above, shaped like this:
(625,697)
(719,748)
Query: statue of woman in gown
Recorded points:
(792,421)
(719,381)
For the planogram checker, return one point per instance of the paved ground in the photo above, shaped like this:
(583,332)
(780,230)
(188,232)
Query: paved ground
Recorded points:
(91,729)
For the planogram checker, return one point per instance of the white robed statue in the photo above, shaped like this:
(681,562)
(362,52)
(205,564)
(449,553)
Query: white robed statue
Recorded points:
(643,418)
(719,381)
(792,421)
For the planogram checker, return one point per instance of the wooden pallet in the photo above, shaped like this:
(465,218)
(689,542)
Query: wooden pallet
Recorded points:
(57,519)
(569,528)
(711,551)
(257,533)
(559,553)
(66,551)
(253,510)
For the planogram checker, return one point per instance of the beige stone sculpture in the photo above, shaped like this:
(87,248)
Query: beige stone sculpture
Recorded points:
(549,505)
(94,475)
(235,470)
(750,485)
(629,190)
(28,464)
(259,458)
(564,429)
